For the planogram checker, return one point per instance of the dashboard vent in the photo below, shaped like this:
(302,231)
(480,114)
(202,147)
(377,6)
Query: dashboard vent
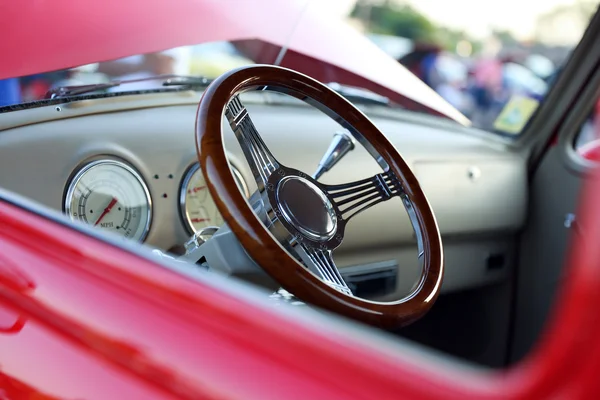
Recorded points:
(372,280)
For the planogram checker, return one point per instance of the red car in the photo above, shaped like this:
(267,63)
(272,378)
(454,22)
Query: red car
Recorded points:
(115,284)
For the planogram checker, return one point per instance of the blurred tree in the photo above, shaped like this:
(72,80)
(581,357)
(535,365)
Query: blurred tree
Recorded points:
(587,7)
(391,18)
(564,24)
(449,38)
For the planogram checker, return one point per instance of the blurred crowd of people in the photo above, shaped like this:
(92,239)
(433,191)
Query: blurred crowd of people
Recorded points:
(481,86)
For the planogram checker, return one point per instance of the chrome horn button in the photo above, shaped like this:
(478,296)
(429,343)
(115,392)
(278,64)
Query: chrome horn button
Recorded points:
(304,206)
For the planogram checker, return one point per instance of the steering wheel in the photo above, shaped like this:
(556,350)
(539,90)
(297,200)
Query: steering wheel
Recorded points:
(301,221)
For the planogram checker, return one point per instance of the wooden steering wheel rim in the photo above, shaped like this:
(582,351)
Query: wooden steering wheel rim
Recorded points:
(255,237)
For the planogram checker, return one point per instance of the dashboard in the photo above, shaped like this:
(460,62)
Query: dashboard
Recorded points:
(128,166)
(111,195)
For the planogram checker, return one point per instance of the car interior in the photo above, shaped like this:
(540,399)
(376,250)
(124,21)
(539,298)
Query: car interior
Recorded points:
(506,206)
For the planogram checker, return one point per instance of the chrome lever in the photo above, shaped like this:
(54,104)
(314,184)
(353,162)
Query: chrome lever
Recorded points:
(341,143)
(199,238)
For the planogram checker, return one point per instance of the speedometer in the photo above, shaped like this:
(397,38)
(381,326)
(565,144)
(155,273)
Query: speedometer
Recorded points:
(112,196)
(198,209)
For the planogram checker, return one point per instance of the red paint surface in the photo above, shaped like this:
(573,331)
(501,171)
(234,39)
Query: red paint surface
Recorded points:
(47,35)
(590,151)
(103,323)
(82,319)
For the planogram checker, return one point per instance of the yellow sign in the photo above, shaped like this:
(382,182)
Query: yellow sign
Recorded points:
(516,114)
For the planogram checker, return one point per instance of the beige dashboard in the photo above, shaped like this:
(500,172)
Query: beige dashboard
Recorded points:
(477,186)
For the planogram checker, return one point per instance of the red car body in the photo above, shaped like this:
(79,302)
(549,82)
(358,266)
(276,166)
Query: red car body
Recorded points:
(83,318)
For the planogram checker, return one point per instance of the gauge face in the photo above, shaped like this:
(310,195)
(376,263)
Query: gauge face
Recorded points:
(197,206)
(110,196)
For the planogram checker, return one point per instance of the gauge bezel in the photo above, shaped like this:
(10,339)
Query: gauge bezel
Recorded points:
(187,177)
(121,164)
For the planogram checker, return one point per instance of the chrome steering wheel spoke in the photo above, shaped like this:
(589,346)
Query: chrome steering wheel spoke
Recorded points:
(321,263)
(261,161)
(272,201)
(301,221)
(355,197)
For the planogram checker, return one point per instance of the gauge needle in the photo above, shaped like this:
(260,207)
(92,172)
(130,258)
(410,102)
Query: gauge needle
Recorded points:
(106,210)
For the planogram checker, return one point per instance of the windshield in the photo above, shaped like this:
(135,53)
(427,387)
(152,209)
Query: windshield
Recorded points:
(485,64)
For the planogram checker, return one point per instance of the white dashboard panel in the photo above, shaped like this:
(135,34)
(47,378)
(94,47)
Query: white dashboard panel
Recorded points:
(475,185)
(478,195)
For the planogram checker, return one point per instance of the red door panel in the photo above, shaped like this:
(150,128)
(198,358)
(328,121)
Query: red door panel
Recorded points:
(101,322)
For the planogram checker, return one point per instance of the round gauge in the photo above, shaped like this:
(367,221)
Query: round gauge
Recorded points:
(111,196)
(197,206)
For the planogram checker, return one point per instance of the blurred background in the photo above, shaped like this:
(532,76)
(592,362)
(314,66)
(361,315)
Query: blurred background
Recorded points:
(477,55)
